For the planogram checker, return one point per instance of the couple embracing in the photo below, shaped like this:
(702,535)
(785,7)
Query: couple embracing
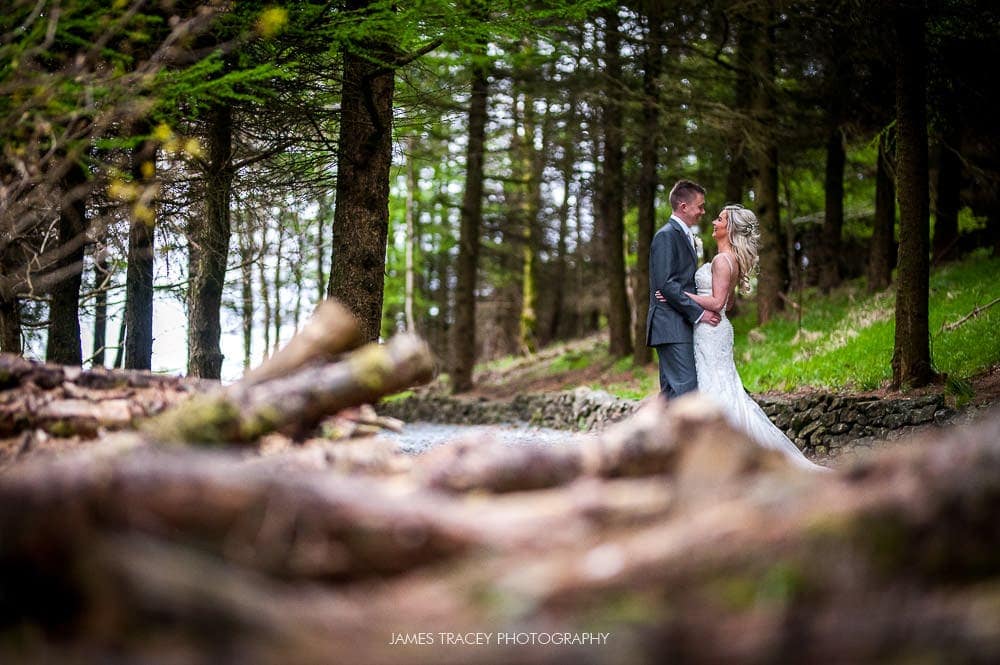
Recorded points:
(687,322)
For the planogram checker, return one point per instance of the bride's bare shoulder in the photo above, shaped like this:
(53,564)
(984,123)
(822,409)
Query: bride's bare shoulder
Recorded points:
(724,259)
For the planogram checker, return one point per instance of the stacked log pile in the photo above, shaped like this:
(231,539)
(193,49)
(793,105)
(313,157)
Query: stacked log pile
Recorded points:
(668,538)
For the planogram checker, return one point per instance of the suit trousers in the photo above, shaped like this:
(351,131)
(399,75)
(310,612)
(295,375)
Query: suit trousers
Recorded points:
(677,369)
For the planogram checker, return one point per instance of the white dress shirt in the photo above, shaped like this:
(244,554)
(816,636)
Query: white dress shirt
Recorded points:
(687,231)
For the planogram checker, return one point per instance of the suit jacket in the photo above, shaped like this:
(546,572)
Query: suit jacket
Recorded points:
(672,263)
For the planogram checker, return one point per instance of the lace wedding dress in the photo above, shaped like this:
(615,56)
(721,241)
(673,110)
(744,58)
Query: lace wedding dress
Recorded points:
(719,380)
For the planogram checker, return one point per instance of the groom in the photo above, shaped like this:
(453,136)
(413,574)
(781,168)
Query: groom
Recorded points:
(672,263)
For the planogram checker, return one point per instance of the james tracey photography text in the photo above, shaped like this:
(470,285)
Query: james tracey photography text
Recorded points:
(498,639)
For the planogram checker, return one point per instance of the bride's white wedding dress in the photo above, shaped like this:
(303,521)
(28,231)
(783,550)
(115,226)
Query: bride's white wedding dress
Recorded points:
(719,380)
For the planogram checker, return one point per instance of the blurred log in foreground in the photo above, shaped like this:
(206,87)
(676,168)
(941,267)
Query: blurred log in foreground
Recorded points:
(672,539)
(317,374)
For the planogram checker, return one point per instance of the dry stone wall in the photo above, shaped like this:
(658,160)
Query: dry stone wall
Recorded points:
(820,424)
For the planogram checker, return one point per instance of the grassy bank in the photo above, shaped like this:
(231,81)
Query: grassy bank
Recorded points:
(844,342)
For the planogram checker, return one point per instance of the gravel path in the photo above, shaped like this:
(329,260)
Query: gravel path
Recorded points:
(417,437)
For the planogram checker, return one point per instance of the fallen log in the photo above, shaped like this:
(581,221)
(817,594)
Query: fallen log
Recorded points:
(655,440)
(296,403)
(68,401)
(724,561)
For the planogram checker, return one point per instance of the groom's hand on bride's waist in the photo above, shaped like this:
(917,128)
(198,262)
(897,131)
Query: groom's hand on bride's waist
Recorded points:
(708,316)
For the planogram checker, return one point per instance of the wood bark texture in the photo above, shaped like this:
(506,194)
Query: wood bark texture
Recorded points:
(671,534)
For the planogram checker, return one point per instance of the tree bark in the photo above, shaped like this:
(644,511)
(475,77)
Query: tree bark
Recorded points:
(739,167)
(63,344)
(567,170)
(10,326)
(833,217)
(120,347)
(10,307)
(947,200)
(102,280)
(208,249)
(297,277)
(278,281)
(610,217)
(648,176)
(411,236)
(534,162)
(911,359)
(364,156)
(883,247)
(463,333)
(248,256)
(139,273)
(322,216)
(773,266)
(265,293)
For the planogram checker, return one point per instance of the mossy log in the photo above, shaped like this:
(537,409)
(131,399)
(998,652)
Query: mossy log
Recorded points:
(295,403)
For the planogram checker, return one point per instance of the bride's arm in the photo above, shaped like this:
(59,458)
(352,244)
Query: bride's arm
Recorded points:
(722,282)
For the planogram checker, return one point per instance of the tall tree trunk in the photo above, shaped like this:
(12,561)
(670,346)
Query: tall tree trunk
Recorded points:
(120,347)
(411,236)
(911,359)
(364,156)
(265,293)
(139,272)
(739,167)
(208,249)
(773,266)
(278,282)
(533,163)
(833,218)
(63,344)
(102,279)
(323,214)
(611,213)
(581,269)
(648,175)
(444,270)
(567,170)
(947,200)
(10,326)
(883,247)
(247,260)
(297,270)
(463,332)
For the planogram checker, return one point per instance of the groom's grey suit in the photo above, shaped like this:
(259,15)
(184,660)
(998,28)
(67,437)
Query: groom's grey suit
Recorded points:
(670,325)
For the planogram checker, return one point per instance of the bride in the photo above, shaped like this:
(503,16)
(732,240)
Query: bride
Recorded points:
(735,231)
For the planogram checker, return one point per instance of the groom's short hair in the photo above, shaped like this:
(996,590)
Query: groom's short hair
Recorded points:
(684,190)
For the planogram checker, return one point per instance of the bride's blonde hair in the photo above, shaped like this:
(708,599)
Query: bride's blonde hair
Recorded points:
(745,238)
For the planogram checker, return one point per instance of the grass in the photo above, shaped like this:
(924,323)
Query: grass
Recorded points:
(844,344)
(846,338)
